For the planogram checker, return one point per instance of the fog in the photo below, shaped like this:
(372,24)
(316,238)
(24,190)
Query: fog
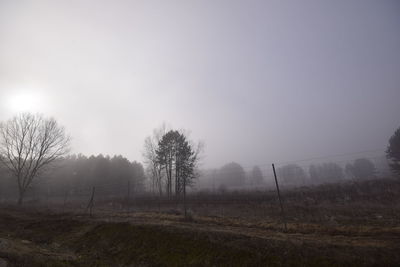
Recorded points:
(257,81)
(199,133)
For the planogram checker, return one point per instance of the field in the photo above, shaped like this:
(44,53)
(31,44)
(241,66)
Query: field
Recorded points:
(350,224)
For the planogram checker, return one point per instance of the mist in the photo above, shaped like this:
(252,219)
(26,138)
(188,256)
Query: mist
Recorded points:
(199,133)
(258,82)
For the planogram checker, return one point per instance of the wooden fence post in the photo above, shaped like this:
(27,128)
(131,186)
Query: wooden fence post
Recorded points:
(279,196)
(90,204)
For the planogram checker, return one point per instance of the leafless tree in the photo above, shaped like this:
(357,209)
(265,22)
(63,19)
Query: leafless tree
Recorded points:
(28,144)
(149,153)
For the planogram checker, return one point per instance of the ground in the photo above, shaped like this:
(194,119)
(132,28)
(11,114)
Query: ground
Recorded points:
(329,233)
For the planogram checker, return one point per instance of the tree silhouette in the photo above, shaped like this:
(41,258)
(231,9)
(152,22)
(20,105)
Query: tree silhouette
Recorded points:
(393,151)
(232,175)
(28,144)
(292,174)
(361,169)
(178,160)
(256,176)
(325,173)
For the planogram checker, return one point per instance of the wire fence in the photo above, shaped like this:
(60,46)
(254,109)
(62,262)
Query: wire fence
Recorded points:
(301,202)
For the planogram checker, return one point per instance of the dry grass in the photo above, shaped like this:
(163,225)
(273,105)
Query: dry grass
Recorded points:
(325,227)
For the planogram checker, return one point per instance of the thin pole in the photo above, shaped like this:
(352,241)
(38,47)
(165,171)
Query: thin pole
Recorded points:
(90,205)
(279,196)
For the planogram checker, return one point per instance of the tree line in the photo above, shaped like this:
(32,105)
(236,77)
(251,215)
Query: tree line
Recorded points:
(112,176)
(34,152)
(329,172)
(34,146)
(76,175)
(233,176)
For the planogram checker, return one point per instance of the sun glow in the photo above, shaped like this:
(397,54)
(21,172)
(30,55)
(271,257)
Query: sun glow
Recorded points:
(25,101)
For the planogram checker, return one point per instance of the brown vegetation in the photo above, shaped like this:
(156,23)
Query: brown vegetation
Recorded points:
(330,225)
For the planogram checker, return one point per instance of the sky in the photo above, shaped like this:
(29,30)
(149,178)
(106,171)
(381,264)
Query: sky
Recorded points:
(256,81)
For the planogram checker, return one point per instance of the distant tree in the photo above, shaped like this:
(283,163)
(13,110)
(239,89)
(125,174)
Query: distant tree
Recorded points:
(81,172)
(325,173)
(112,176)
(393,151)
(256,176)
(292,174)
(231,175)
(153,166)
(179,160)
(138,176)
(28,144)
(101,170)
(120,169)
(314,173)
(166,157)
(185,166)
(120,176)
(361,169)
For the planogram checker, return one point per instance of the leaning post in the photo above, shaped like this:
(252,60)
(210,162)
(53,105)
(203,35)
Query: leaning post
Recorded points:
(279,196)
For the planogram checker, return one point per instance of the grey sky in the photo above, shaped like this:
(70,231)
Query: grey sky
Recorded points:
(257,81)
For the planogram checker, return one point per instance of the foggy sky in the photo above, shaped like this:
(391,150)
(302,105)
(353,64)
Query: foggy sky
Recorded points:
(257,81)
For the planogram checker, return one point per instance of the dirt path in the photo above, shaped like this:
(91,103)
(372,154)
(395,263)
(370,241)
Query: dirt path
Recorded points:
(373,237)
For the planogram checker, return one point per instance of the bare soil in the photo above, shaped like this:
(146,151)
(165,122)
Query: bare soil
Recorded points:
(326,226)
(38,238)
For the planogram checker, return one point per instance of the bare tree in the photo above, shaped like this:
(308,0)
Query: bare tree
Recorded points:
(28,144)
(149,153)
